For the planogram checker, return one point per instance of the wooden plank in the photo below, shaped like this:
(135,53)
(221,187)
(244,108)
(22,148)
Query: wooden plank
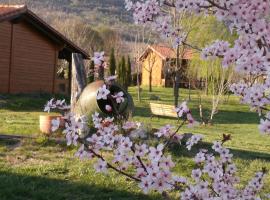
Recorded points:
(54,70)
(78,80)
(11,57)
(163,110)
(5,38)
(33,67)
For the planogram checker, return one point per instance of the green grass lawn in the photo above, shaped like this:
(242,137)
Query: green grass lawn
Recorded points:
(41,169)
(19,114)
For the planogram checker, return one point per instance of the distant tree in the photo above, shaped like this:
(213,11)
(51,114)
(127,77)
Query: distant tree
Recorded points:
(119,71)
(151,60)
(80,33)
(91,72)
(217,80)
(129,75)
(122,73)
(112,39)
(112,63)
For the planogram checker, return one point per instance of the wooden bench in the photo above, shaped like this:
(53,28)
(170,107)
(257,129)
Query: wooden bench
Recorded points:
(163,110)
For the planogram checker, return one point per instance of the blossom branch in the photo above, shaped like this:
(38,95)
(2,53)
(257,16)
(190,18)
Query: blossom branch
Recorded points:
(114,168)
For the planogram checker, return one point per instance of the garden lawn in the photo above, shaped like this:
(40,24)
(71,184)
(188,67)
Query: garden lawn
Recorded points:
(42,169)
(19,114)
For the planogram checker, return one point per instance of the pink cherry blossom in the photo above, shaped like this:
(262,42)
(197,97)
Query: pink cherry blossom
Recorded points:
(165,131)
(56,104)
(101,166)
(119,97)
(103,93)
(141,150)
(146,184)
(110,79)
(196,174)
(182,109)
(98,58)
(193,140)
(166,163)
(83,154)
(55,124)
(129,125)
(108,108)
(156,153)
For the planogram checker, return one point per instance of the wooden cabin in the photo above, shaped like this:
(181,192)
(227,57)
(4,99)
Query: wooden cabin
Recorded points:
(29,53)
(160,58)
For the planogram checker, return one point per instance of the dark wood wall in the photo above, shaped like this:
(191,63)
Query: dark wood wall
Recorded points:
(27,60)
(5,38)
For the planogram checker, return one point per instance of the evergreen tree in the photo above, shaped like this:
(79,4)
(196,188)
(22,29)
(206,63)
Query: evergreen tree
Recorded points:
(123,73)
(112,63)
(129,76)
(119,71)
(91,75)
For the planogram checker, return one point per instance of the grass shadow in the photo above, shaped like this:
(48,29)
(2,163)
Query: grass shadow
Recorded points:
(177,150)
(24,187)
(26,102)
(222,117)
(9,142)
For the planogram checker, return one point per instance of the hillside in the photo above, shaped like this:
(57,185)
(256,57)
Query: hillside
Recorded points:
(98,14)
(108,12)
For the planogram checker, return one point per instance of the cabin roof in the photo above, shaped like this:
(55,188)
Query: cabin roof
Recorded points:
(18,12)
(165,52)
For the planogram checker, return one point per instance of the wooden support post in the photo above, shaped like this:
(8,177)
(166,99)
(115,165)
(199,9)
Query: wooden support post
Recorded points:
(78,78)
(69,75)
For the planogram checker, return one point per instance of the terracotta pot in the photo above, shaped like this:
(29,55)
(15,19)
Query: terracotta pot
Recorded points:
(45,123)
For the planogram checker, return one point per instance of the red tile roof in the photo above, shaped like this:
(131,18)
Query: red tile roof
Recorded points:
(166,52)
(9,12)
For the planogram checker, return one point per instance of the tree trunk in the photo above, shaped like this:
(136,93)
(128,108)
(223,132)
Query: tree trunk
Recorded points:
(206,82)
(177,77)
(150,81)
(189,90)
(138,86)
(78,79)
(176,88)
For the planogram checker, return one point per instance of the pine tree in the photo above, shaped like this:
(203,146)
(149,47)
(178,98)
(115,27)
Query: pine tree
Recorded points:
(129,76)
(91,75)
(112,63)
(123,73)
(119,71)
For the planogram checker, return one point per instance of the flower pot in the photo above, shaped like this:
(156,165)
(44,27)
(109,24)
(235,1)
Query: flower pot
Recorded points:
(45,123)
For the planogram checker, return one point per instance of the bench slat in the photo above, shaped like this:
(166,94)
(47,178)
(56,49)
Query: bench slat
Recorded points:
(163,110)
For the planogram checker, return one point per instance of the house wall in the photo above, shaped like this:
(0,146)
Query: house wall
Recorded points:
(153,61)
(33,61)
(28,60)
(5,47)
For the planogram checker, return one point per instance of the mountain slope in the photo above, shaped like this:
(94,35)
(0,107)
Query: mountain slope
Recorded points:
(109,12)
